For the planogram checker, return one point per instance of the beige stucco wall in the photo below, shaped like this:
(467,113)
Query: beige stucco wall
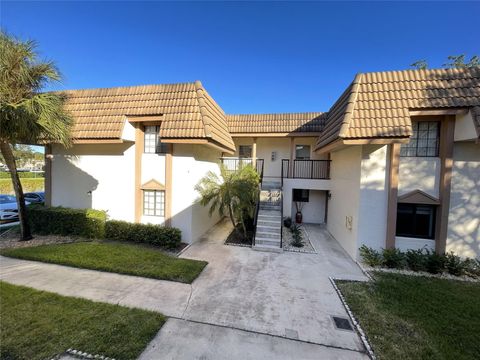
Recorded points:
(345,170)
(372,222)
(419,173)
(189,164)
(463,235)
(464,127)
(105,170)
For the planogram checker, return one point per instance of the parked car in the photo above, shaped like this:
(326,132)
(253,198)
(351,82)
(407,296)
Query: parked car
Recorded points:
(35,197)
(8,209)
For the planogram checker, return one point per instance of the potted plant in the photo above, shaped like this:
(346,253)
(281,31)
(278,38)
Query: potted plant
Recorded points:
(287,222)
(298,215)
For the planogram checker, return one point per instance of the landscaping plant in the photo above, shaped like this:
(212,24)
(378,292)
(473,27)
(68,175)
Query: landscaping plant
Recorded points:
(370,256)
(28,115)
(415,259)
(454,264)
(233,193)
(297,236)
(435,263)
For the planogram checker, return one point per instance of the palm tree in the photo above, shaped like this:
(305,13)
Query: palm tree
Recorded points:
(232,191)
(218,191)
(27,115)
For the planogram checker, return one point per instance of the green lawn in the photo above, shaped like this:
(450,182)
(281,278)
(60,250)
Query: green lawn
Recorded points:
(407,317)
(37,325)
(121,258)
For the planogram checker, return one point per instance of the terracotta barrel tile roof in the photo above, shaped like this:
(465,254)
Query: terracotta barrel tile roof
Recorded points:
(377,105)
(187,111)
(276,123)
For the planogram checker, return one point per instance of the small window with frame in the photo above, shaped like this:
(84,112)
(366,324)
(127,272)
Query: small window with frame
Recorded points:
(302,152)
(301,195)
(416,220)
(425,140)
(154,202)
(245,151)
(152,143)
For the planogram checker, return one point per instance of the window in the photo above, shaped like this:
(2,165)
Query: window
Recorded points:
(152,144)
(416,220)
(302,152)
(153,202)
(300,195)
(245,151)
(424,141)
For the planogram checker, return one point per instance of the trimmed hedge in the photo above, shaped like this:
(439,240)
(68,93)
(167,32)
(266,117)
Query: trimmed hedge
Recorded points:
(167,237)
(28,185)
(22,174)
(64,221)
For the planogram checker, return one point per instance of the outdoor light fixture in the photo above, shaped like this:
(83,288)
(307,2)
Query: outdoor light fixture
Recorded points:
(274,155)
(329,195)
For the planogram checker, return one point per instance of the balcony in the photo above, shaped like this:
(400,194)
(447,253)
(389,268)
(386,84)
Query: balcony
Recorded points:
(233,163)
(306,169)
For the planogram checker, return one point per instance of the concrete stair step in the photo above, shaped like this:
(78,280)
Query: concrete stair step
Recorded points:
(265,212)
(269,207)
(267,248)
(268,222)
(270,227)
(268,235)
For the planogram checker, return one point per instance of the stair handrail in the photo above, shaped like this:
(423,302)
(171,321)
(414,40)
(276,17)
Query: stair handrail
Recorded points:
(281,216)
(257,209)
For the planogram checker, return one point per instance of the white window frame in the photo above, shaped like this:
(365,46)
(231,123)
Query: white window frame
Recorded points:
(154,203)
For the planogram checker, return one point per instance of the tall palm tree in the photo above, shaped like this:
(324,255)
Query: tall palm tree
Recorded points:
(28,115)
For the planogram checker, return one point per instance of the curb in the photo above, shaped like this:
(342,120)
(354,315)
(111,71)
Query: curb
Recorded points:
(356,324)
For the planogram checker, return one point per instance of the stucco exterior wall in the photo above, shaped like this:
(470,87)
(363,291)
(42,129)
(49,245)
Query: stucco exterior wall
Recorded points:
(463,235)
(419,173)
(189,164)
(105,170)
(345,170)
(314,210)
(372,216)
(464,127)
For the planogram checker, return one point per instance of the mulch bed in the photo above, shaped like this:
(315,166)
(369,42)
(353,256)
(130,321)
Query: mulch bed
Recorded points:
(287,239)
(236,238)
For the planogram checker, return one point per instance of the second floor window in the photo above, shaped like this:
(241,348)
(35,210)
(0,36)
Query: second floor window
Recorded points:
(245,151)
(425,140)
(302,152)
(152,144)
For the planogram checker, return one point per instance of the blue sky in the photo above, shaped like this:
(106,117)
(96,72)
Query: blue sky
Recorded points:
(251,57)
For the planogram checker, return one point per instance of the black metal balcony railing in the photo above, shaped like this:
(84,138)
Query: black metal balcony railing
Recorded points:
(233,164)
(306,169)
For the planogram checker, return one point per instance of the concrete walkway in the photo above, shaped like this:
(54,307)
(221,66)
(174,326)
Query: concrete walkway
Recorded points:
(245,304)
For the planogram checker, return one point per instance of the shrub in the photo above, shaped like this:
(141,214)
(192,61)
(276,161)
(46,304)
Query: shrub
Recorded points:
(167,237)
(393,258)
(416,259)
(287,222)
(454,264)
(434,262)
(64,221)
(472,267)
(370,256)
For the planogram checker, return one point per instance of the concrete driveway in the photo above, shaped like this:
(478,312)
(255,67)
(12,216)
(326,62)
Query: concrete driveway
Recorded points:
(244,305)
(269,298)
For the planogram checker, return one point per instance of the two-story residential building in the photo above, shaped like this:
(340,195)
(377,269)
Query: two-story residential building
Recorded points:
(395,162)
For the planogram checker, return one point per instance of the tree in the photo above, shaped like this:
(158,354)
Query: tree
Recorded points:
(458,61)
(28,115)
(455,61)
(234,192)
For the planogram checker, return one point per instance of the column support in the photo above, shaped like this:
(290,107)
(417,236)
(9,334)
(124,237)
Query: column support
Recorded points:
(394,159)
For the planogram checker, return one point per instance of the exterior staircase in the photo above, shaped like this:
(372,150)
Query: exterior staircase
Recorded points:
(269,220)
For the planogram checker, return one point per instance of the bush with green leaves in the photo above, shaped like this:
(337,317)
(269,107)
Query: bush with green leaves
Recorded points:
(434,263)
(167,237)
(393,258)
(415,259)
(370,256)
(297,236)
(454,264)
(86,223)
(472,267)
